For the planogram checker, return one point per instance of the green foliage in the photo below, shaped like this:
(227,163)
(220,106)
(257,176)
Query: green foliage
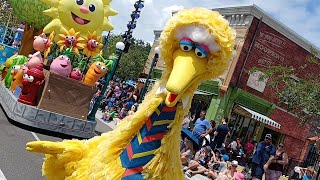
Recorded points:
(313,57)
(6,14)
(31,12)
(132,63)
(297,95)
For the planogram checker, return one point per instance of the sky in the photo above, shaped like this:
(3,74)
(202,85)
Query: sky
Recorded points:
(302,16)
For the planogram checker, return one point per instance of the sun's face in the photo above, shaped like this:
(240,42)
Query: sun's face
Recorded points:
(83,15)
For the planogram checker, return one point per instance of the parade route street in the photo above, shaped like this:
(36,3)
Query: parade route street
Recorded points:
(15,162)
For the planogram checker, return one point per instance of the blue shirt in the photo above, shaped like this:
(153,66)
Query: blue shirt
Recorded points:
(222,130)
(305,177)
(263,153)
(200,127)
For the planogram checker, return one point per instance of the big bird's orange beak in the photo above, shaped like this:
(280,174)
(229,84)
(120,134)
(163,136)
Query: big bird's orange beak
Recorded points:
(187,70)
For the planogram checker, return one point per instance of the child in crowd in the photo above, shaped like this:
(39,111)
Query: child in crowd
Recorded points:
(132,110)
(109,114)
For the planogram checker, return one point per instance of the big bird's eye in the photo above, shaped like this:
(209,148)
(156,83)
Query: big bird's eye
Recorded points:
(186,47)
(92,7)
(80,2)
(186,44)
(199,53)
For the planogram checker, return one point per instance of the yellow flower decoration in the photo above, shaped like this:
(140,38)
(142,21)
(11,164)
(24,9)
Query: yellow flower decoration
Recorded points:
(71,38)
(48,45)
(92,44)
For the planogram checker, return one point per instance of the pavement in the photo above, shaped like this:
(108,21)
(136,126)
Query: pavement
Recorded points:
(18,164)
(15,162)
(103,126)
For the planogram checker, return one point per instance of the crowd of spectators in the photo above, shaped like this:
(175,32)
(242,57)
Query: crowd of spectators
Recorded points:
(119,101)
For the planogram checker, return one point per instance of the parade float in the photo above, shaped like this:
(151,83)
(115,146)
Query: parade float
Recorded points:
(51,88)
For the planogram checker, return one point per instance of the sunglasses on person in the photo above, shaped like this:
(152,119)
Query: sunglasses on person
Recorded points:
(281,145)
(269,139)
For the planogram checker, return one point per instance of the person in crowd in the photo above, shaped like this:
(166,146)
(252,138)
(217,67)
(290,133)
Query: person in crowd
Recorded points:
(262,157)
(202,127)
(136,94)
(200,163)
(220,134)
(109,114)
(117,91)
(130,98)
(235,147)
(231,173)
(123,112)
(277,165)
(186,120)
(132,110)
(249,147)
(218,161)
(110,89)
(308,173)
(213,125)
(187,153)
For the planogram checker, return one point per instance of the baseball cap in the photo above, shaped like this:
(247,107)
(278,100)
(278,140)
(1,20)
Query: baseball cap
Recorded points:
(234,163)
(225,157)
(268,136)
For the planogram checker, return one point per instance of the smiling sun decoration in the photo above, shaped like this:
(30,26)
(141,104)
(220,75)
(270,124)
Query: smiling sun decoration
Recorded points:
(82,15)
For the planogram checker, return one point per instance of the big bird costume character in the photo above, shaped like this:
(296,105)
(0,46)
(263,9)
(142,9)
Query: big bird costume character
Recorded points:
(195,45)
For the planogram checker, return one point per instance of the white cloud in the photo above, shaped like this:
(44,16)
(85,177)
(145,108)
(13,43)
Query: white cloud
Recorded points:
(295,14)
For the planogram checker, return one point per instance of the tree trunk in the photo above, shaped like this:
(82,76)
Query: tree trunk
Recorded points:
(27,39)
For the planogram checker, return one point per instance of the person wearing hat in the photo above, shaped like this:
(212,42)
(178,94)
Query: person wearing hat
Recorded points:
(218,161)
(227,174)
(200,163)
(262,157)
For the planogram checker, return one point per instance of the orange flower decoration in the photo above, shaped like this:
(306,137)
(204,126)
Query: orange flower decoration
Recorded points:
(48,45)
(71,38)
(92,44)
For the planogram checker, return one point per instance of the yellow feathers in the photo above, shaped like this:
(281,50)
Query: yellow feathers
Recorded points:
(99,157)
(216,25)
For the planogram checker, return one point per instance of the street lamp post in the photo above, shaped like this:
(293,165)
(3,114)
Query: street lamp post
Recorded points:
(154,63)
(108,77)
(135,15)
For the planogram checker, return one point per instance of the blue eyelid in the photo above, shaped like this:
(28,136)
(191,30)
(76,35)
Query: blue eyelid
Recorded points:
(186,43)
(202,50)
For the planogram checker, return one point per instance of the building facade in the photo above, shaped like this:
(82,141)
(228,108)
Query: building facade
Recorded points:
(251,104)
